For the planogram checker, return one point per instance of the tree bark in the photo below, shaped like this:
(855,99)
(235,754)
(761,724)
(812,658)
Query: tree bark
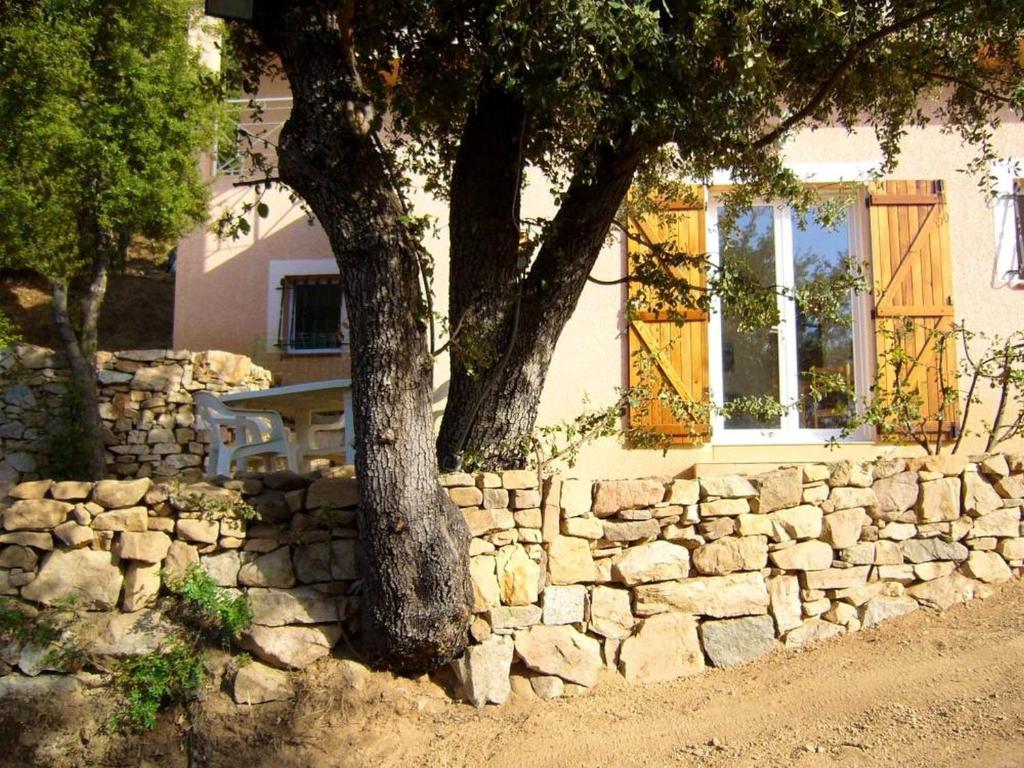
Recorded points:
(81,353)
(487,413)
(485,268)
(414,543)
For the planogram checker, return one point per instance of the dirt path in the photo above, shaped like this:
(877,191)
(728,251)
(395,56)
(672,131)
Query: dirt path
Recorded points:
(930,690)
(927,690)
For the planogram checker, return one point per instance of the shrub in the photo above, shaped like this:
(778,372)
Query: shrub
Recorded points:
(147,684)
(211,609)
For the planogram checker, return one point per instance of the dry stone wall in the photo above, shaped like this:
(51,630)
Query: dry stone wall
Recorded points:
(657,579)
(145,404)
(652,579)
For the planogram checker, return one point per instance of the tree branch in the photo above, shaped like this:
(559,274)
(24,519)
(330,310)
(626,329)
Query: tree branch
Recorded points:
(820,95)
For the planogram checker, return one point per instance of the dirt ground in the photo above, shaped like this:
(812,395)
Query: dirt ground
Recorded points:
(927,690)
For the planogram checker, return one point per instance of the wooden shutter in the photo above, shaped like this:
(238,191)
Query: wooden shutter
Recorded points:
(912,276)
(664,353)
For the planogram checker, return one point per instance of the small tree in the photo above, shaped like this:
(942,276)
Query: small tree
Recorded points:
(106,107)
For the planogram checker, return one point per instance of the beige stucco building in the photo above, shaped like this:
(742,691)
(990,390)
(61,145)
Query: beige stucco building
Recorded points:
(257,295)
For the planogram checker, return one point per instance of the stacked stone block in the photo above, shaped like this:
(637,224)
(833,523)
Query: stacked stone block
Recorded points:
(651,579)
(145,403)
(116,545)
(656,579)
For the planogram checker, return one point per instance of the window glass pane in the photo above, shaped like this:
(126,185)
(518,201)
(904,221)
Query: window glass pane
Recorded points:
(316,318)
(750,360)
(823,346)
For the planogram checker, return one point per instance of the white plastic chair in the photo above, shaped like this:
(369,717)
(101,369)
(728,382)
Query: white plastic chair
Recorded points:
(326,440)
(253,433)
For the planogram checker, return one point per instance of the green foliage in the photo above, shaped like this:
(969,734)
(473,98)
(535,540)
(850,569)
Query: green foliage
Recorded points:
(213,506)
(9,333)
(106,107)
(147,684)
(212,610)
(23,625)
(916,352)
(68,446)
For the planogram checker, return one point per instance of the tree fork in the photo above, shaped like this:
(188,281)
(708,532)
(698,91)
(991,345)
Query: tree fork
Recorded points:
(487,412)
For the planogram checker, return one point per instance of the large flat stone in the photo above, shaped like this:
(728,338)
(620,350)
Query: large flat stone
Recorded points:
(883,608)
(778,489)
(116,494)
(812,631)
(570,561)
(562,651)
(805,556)
(36,514)
(518,576)
(800,522)
(939,500)
(943,593)
(257,683)
(565,604)
(147,547)
(735,641)
(738,594)
(727,487)
(88,575)
(610,613)
(273,569)
(926,550)
(730,554)
(895,494)
(656,561)
(610,496)
(291,647)
(303,605)
(987,567)
(484,669)
(665,648)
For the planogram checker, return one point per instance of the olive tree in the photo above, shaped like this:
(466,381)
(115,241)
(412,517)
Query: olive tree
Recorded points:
(599,97)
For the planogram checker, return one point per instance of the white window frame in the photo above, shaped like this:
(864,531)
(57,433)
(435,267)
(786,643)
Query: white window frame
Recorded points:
(278,270)
(863,339)
(1004,208)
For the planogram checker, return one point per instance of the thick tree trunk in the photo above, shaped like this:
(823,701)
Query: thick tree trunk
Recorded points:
(80,350)
(487,413)
(416,598)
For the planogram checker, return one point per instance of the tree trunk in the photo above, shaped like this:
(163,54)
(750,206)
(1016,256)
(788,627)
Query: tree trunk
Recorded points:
(81,353)
(489,412)
(485,264)
(416,598)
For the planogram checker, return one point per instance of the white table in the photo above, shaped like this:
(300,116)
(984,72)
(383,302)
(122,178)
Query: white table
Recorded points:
(299,402)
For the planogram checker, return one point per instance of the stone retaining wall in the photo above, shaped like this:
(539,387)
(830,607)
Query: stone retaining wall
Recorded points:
(652,579)
(145,403)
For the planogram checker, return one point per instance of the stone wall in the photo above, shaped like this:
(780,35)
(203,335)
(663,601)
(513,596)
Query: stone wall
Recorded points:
(652,579)
(145,403)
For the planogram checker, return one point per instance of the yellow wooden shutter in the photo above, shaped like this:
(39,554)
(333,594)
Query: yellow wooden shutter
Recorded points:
(664,353)
(912,277)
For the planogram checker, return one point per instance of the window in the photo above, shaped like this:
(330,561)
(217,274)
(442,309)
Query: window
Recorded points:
(1008,207)
(312,314)
(777,363)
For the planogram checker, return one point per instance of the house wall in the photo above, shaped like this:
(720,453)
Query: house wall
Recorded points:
(591,359)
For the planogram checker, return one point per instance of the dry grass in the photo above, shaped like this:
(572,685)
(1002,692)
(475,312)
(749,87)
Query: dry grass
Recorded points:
(138,312)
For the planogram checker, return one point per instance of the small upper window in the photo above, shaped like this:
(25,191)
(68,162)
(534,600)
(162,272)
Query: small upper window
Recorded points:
(313,317)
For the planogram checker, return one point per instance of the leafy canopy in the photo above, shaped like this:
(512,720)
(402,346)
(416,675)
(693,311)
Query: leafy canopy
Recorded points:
(719,82)
(106,107)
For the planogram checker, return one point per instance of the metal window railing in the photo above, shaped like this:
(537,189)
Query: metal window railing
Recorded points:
(257,127)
